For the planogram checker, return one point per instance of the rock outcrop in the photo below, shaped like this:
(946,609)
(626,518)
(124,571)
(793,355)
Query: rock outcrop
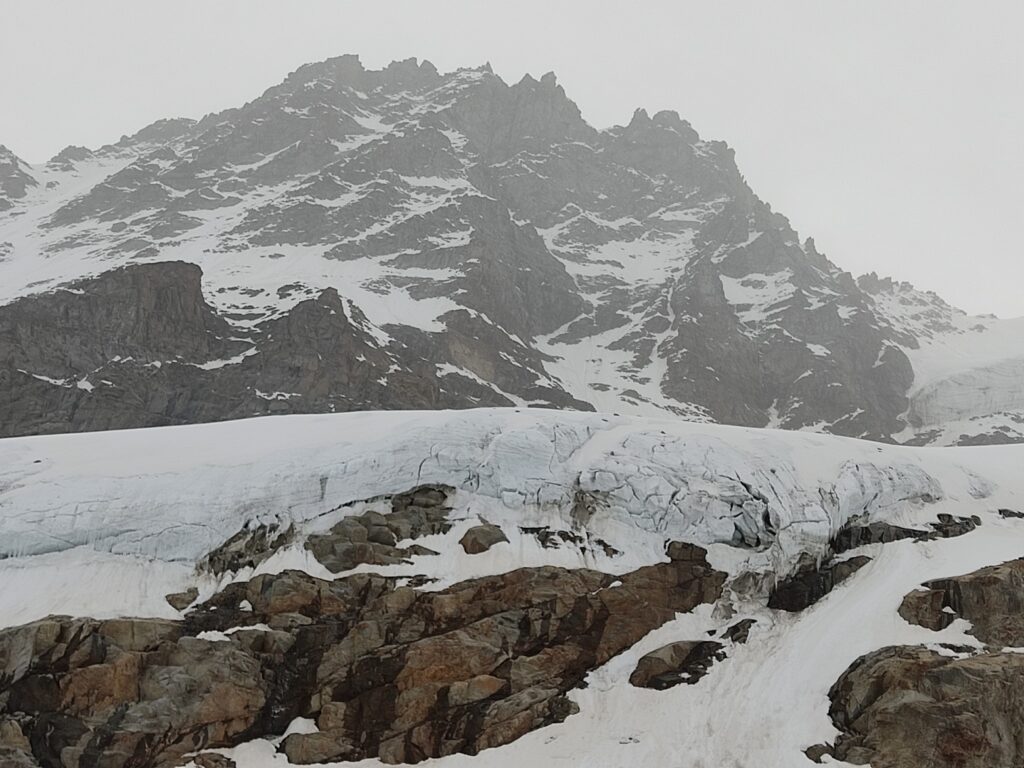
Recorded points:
(372,537)
(958,707)
(386,671)
(904,707)
(140,347)
(991,599)
(856,535)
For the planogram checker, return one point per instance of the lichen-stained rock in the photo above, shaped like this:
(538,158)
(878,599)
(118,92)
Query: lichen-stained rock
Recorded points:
(490,659)
(906,707)
(385,670)
(676,663)
(481,538)
(124,688)
(991,599)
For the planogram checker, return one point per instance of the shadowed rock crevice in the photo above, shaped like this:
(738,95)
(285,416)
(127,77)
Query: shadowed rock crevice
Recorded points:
(812,582)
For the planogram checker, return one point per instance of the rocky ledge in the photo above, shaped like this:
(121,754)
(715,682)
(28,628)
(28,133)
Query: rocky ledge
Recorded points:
(385,670)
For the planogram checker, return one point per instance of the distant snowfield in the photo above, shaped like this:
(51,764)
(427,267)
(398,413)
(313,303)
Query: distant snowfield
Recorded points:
(984,343)
(108,523)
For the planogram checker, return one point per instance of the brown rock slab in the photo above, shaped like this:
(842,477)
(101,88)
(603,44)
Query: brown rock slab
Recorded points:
(386,671)
(904,707)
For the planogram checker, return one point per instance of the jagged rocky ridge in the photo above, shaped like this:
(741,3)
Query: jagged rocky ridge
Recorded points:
(406,238)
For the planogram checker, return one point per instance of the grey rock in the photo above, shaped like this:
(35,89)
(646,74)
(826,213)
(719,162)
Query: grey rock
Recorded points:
(481,538)
(179,601)
(641,246)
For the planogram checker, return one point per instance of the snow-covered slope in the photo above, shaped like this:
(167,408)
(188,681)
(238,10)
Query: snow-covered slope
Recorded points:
(176,493)
(967,370)
(105,524)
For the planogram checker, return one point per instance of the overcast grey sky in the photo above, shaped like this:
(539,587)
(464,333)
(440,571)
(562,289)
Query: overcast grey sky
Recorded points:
(891,132)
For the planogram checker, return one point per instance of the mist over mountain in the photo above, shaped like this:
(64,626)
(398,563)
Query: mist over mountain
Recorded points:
(406,238)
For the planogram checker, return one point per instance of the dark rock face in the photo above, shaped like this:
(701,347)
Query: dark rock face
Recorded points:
(140,346)
(904,707)
(740,631)
(247,548)
(386,671)
(676,663)
(947,526)
(521,241)
(811,583)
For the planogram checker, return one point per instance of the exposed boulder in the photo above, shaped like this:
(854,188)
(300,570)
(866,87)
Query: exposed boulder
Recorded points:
(481,538)
(179,601)
(676,663)
(740,631)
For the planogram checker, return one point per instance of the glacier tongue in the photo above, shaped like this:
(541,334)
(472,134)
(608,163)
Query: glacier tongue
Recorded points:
(176,493)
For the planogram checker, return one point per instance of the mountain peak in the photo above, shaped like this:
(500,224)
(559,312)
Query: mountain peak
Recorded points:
(499,248)
(15,178)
